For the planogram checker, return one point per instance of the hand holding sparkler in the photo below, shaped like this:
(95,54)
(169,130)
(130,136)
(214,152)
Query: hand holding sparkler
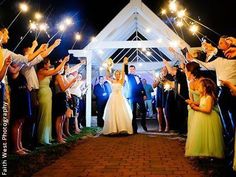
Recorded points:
(189,101)
(57,42)
(8,61)
(83,62)
(66,59)
(35,43)
(43,47)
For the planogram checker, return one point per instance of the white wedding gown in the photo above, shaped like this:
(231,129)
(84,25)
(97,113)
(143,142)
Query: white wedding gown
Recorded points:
(117,114)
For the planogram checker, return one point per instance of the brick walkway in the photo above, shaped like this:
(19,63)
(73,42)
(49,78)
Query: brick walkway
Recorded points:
(141,155)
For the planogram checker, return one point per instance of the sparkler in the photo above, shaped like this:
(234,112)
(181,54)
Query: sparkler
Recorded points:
(42,27)
(32,27)
(77,38)
(23,8)
(61,28)
(203,25)
(38,16)
(173,6)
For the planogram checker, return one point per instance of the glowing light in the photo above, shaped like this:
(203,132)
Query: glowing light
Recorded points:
(163,11)
(62,27)
(93,39)
(101,68)
(140,64)
(43,27)
(68,21)
(148,30)
(174,44)
(181,13)
(38,16)
(33,26)
(194,28)
(24,7)
(173,6)
(167,86)
(148,53)
(78,36)
(179,23)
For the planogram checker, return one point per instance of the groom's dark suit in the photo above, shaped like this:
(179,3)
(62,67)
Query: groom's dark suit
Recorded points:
(136,95)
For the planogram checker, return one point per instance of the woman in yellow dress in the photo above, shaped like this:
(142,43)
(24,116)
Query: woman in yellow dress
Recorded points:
(45,99)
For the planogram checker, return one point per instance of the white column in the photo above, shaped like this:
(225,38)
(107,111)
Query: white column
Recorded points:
(89,94)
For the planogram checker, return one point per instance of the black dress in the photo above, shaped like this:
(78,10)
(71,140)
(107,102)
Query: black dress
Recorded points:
(20,97)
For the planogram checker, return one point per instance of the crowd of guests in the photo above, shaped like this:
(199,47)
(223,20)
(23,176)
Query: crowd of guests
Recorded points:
(196,98)
(44,102)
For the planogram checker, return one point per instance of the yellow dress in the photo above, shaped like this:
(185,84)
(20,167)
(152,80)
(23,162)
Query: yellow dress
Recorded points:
(45,112)
(205,137)
(196,98)
(234,165)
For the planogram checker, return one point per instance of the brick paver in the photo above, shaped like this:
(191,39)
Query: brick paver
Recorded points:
(141,155)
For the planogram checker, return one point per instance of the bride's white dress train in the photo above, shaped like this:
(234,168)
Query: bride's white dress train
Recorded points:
(117,114)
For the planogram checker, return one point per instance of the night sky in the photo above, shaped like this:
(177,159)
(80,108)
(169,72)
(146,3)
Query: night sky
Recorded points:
(93,15)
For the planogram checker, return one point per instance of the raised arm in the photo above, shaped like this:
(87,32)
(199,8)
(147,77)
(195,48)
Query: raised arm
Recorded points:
(51,48)
(42,48)
(177,55)
(125,63)
(62,84)
(56,70)
(209,65)
(33,47)
(170,69)
(75,68)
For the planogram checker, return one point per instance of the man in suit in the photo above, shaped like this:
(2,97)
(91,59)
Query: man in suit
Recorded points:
(102,94)
(136,95)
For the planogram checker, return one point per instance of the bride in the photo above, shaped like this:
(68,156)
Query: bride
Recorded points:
(117,114)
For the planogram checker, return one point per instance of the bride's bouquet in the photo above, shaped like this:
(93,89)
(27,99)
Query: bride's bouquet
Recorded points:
(108,64)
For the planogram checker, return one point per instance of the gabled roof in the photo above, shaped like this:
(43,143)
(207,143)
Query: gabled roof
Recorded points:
(135,17)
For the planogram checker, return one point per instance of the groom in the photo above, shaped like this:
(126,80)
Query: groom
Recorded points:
(136,95)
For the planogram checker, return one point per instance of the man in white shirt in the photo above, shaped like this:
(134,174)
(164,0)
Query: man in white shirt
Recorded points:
(5,53)
(76,95)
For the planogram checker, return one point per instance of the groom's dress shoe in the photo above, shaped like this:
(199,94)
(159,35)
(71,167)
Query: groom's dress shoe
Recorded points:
(144,128)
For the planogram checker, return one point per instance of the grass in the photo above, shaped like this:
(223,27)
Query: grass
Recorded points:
(24,166)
